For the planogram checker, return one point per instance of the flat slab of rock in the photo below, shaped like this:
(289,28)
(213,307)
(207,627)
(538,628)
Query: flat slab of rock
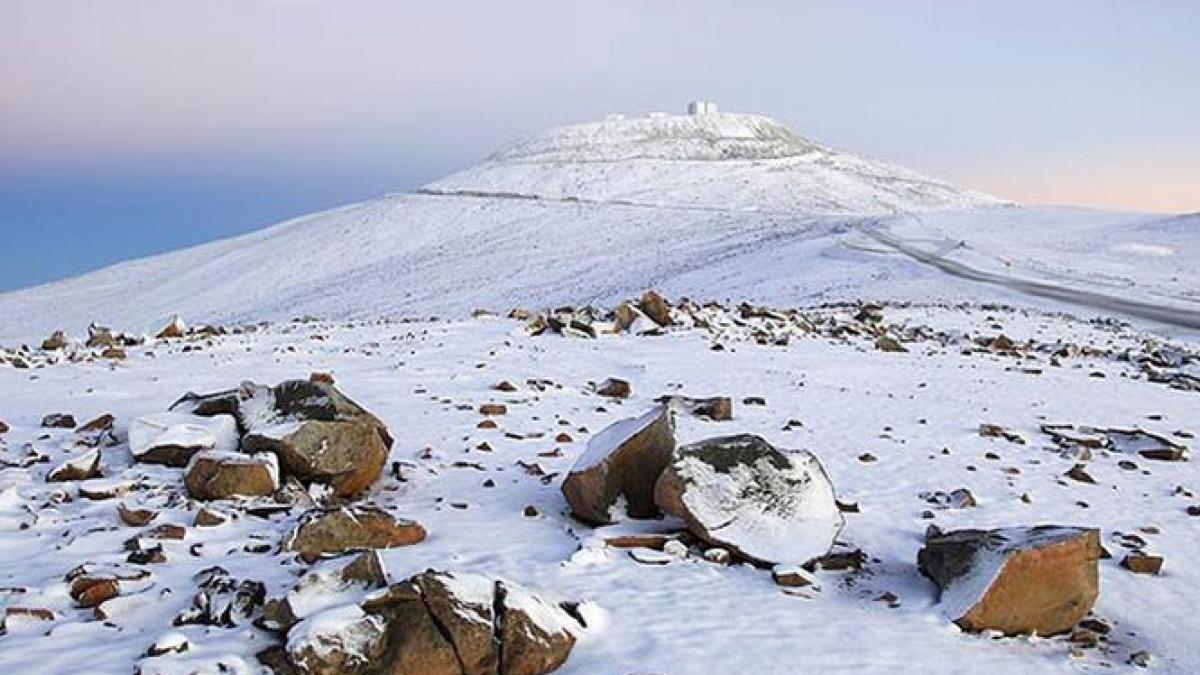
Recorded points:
(1015,580)
(81,467)
(213,474)
(172,438)
(740,492)
(624,459)
(338,531)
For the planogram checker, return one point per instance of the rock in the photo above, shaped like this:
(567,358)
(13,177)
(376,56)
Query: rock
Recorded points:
(82,467)
(955,499)
(614,388)
(99,336)
(59,421)
(656,308)
(100,424)
(3,427)
(222,600)
(207,517)
(57,340)
(319,435)
(888,343)
(213,474)
(342,640)
(173,438)
(173,328)
(114,353)
(624,459)
(135,517)
(717,409)
(997,431)
(740,492)
(464,609)
(17,617)
(505,385)
(94,592)
(535,636)
(341,530)
(1146,444)
(99,490)
(1016,580)
(171,643)
(1140,563)
(207,405)
(1079,473)
(791,577)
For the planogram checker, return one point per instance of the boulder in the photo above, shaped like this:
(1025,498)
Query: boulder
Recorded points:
(535,636)
(342,640)
(57,340)
(624,459)
(1014,580)
(99,336)
(740,492)
(319,435)
(212,474)
(83,467)
(614,388)
(341,530)
(172,328)
(656,308)
(172,438)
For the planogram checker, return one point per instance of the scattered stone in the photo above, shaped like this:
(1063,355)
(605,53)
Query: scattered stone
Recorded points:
(997,431)
(1079,473)
(505,385)
(614,388)
(741,493)
(624,459)
(207,517)
(135,517)
(222,600)
(83,467)
(57,340)
(1016,580)
(792,577)
(59,421)
(838,561)
(341,530)
(888,343)
(754,400)
(955,499)
(1140,563)
(100,424)
(213,474)
(1141,659)
(3,427)
(171,643)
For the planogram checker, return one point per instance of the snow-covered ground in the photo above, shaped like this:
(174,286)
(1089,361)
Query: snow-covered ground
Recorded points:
(887,427)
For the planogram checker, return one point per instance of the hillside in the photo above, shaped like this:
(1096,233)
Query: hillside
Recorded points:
(730,206)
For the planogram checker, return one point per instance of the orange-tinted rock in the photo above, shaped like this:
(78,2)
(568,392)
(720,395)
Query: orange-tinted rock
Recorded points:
(342,530)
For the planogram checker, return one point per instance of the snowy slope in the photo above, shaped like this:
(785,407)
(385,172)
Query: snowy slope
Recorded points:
(729,206)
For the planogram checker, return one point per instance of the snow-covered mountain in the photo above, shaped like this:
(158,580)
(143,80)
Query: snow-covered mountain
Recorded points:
(711,205)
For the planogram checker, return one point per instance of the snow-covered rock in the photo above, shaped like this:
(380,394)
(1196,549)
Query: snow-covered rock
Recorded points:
(622,460)
(769,505)
(214,474)
(172,438)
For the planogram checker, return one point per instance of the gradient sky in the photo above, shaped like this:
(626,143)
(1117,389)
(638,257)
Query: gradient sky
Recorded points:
(133,127)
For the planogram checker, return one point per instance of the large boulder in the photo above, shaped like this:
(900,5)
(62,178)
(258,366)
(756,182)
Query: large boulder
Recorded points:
(339,641)
(655,306)
(1015,580)
(172,438)
(213,474)
(319,435)
(740,492)
(624,459)
(341,530)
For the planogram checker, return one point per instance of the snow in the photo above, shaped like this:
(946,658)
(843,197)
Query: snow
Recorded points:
(345,629)
(158,430)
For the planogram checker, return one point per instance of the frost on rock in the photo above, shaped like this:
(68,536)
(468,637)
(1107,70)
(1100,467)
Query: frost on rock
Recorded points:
(172,438)
(769,505)
(1014,580)
(624,459)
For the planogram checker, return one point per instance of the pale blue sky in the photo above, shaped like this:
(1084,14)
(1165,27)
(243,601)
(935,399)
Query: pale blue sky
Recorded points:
(128,128)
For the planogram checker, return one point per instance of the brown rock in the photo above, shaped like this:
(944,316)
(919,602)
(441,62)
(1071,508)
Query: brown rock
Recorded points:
(1043,579)
(1140,563)
(888,343)
(656,308)
(101,423)
(223,475)
(347,456)
(528,645)
(135,517)
(94,591)
(467,621)
(114,353)
(717,409)
(791,577)
(1079,473)
(342,530)
(614,388)
(346,642)
(57,340)
(623,459)
(3,427)
(207,517)
(83,467)
(493,409)
(505,385)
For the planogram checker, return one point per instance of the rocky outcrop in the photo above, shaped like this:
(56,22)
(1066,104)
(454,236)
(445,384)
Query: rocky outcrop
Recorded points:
(342,530)
(1015,580)
(624,459)
(213,474)
(436,623)
(741,493)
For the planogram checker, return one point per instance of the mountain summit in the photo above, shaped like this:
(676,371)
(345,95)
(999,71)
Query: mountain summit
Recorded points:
(703,159)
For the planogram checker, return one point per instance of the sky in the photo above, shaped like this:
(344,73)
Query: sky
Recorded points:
(131,127)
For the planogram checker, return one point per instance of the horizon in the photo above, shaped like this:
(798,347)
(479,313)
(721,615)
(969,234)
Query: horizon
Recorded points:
(107,155)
